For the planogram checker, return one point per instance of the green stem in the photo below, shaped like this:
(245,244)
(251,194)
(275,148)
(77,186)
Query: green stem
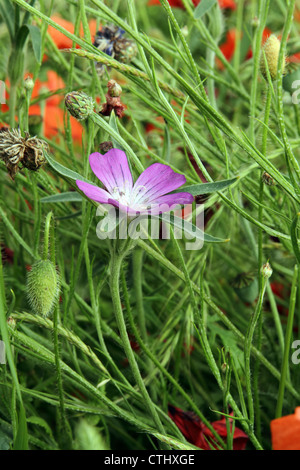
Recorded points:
(247,348)
(12,105)
(288,338)
(115,267)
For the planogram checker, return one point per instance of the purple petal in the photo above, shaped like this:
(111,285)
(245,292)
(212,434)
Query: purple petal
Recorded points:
(155,181)
(169,202)
(93,192)
(113,170)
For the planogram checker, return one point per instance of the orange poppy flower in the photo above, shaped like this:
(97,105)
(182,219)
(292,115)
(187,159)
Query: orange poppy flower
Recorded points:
(286,432)
(53,115)
(62,41)
(228,47)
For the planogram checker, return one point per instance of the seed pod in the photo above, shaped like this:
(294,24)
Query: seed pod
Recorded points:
(79,104)
(269,57)
(43,287)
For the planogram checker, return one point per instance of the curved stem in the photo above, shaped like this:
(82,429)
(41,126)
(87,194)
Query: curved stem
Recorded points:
(115,267)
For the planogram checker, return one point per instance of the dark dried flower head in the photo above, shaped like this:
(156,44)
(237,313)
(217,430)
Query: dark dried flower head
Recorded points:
(125,50)
(21,152)
(104,147)
(109,39)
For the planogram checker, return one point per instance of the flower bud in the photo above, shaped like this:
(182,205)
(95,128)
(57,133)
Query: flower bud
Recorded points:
(11,322)
(43,287)
(266,271)
(28,84)
(114,89)
(269,57)
(79,104)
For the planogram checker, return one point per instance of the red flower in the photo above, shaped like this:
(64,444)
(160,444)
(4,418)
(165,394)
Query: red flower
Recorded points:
(62,41)
(286,432)
(197,433)
(228,47)
(178,3)
(7,254)
(54,115)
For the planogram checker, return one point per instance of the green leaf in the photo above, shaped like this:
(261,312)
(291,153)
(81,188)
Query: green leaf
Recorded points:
(206,188)
(203,7)
(36,39)
(21,441)
(7,13)
(189,229)
(114,125)
(70,196)
(294,237)
(65,172)
(88,436)
(21,37)
(41,422)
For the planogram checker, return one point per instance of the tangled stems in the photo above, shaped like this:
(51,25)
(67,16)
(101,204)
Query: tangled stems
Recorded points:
(118,252)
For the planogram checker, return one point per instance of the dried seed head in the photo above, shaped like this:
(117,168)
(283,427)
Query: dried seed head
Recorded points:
(104,147)
(125,50)
(43,287)
(79,104)
(269,58)
(109,39)
(21,152)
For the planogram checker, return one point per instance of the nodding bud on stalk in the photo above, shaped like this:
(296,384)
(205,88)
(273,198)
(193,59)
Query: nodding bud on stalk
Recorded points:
(269,58)
(43,287)
(79,104)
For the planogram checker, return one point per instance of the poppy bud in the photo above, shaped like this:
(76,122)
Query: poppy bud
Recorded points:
(269,57)
(79,104)
(43,287)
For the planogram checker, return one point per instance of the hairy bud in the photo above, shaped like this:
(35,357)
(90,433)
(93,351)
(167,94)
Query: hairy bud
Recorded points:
(269,58)
(43,287)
